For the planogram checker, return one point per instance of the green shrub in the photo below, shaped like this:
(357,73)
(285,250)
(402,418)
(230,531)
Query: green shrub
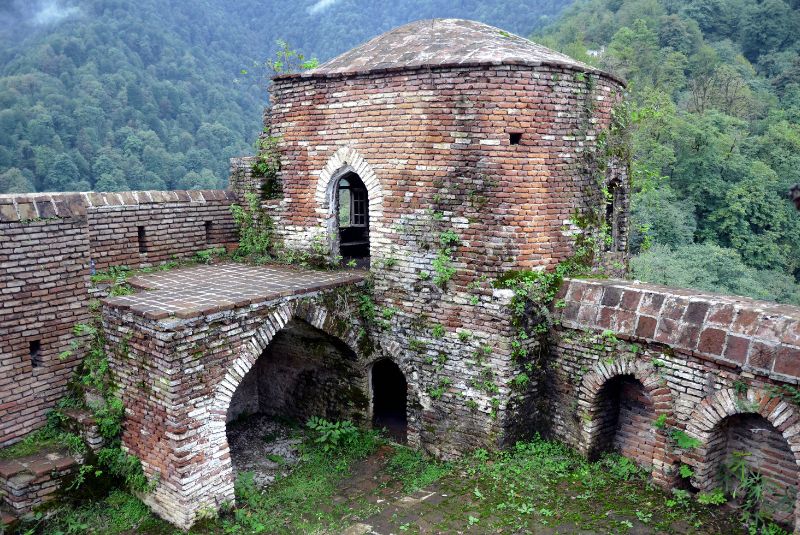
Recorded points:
(332,435)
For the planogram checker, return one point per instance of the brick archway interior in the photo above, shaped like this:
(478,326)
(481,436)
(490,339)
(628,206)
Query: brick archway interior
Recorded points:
(621,402)
(217,485)
(303,372)
(760,430)
(624,415)
(750,439)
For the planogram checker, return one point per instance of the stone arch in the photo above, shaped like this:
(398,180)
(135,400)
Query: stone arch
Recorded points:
(392,351)
(716,409)
(347,160)
(589,400)
(314,314)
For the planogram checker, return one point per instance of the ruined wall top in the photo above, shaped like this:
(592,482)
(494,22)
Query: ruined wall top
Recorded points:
(444,43)
(757,336)
(37,206)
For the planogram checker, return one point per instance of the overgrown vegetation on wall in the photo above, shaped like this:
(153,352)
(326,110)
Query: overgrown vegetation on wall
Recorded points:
(96,440)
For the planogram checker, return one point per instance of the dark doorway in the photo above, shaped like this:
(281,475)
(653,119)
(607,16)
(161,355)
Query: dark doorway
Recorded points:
(389,399)
(352,215)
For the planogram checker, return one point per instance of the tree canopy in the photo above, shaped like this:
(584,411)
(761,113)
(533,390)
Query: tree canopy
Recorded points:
(119,95)
(714,90)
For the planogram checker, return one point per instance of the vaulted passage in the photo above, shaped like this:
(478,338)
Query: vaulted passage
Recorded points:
(626,416)
(389,390)
(752,459)
(303,372)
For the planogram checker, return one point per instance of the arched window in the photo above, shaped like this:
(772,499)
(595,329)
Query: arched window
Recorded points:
(352,216)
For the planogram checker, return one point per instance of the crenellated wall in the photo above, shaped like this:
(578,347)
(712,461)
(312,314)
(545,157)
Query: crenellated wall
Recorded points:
(47,244)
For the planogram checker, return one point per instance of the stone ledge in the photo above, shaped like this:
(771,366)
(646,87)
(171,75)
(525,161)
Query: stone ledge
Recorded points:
(202,290)
(757,336)
(31,207)
(27,482)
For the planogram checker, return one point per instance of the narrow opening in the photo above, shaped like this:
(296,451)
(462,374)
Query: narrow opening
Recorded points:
(389,392)
(35,349)
(208,228)
(141,238)
(352,216)
(613,213)
(625,415)
(515,137)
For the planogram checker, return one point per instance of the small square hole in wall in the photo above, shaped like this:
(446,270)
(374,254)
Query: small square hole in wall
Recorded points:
(35,348)
(515,137)
(208,226)
(140,235)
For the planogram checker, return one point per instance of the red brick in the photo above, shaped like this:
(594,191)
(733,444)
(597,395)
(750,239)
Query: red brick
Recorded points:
(712,341)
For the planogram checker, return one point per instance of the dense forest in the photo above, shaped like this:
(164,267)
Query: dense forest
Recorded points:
(117,95)
(715,114)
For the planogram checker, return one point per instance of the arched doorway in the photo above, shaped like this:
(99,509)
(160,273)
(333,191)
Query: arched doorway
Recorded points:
(389,403)
(352,219)
(302,373)
(754,462)
(626,414)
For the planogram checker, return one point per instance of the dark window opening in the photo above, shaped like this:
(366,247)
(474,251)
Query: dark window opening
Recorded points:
(141,237)
(208,228)
(623,418)
(35,349)
(614,214)
(389,399)
(352,213)
(515,137)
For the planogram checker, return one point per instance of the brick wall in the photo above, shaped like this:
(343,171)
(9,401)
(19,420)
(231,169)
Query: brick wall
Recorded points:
(46,244)
(44,278)
(441,141)
(435,153)
(708,363)
(144,228)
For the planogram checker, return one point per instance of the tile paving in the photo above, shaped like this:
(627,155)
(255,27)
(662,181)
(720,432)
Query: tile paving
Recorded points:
(199,290)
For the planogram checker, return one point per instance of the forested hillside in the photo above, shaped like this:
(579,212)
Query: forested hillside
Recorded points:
(715,113)
(116,94)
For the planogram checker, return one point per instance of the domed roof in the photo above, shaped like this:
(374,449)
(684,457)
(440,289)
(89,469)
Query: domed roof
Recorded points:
(444,42)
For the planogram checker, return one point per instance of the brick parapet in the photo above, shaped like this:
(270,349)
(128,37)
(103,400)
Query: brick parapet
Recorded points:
(47,206)
(755,336)
(607,332)
(48,245)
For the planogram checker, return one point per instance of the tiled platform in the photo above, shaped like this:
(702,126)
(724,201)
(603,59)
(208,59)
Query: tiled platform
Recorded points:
(200,290)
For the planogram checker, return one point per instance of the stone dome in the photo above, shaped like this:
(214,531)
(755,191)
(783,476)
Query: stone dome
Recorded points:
(444,42)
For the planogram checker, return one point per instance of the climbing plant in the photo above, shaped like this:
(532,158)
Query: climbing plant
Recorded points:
(267,165)
(256,230)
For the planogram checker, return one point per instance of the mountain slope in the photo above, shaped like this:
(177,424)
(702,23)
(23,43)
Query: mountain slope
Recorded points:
(116,95)
(715,115)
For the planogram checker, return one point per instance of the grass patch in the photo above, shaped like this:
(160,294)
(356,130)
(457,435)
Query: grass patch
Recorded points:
(300,502)
(47,438)
(415,469)
(31,444)
(533,485)
(116,514)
